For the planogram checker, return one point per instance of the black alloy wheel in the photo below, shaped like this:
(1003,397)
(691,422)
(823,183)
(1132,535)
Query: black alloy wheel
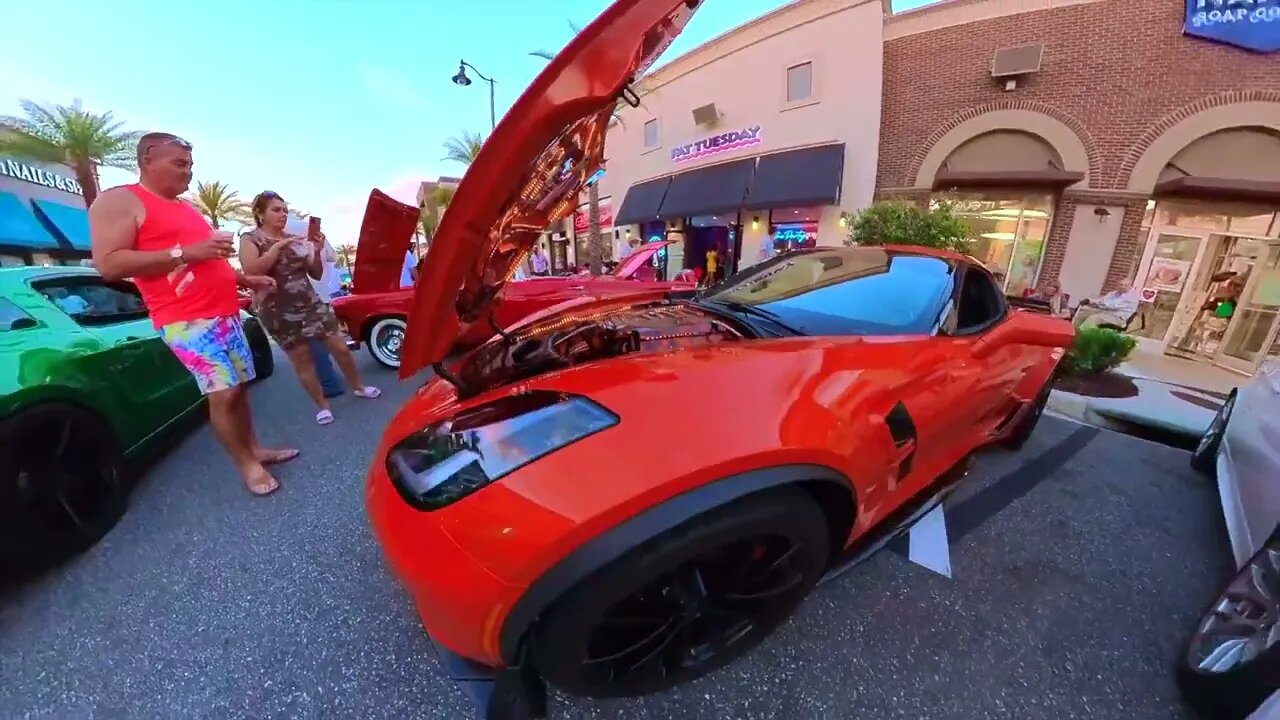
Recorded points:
(686,603)
(1205,457)
(61,485)
(1231,663)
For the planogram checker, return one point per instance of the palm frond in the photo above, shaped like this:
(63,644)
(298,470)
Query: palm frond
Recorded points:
(544,54)
(219,203)
(69,133)
(463,149)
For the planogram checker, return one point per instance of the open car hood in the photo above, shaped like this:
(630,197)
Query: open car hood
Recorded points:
(638,259)
(530,170)
(385,235)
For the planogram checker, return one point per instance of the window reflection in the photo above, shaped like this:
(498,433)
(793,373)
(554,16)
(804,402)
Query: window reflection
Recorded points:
(1008,234)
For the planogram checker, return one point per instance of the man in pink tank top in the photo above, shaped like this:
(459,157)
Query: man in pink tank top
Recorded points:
(144,232)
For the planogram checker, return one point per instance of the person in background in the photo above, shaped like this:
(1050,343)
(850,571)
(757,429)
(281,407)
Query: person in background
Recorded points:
(1051,292)
(179,264)
(326,287)
(295,314)
(1115,308)
(538,263)
(629,248)
(409,271)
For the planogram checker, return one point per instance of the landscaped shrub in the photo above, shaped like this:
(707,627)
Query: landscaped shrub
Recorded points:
(1097,350)
(898,223)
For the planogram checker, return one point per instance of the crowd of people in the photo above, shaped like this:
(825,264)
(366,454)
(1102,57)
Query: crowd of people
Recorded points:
(180,265)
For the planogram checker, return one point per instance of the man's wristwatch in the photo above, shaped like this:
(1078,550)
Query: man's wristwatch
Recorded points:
(176,254)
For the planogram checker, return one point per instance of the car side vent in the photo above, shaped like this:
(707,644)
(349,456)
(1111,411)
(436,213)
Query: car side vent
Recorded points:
(901,427)
(706,115)
(1014,61)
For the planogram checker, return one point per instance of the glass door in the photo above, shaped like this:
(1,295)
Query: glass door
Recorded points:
(1165,277)
(1252,327)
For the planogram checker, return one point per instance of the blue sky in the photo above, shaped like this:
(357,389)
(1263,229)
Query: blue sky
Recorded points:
(319,100)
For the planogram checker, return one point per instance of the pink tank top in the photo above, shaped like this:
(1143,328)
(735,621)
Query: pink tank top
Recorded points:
(195,291)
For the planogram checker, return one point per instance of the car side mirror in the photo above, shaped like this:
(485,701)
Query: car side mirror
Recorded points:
(23,323)
(1023,327)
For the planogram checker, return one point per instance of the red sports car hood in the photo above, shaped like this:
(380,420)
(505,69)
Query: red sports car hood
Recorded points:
(385,235)
(530,170)
(638,259)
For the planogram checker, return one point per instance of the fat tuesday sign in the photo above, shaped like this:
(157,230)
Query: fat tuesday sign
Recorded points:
(716,144)
(1249,24)
(22,171)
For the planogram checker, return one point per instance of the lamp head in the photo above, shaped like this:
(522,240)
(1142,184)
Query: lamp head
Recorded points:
(461,78)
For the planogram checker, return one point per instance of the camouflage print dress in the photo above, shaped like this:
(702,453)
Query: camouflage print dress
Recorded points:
(294,313)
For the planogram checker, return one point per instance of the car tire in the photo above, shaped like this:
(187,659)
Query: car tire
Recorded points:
(1234,689)
(385,340)
(682,583)
(1204,458)
(1019,436)
(62,485)
(264,360)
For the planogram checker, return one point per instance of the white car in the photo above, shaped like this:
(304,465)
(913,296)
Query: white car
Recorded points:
(1231,662)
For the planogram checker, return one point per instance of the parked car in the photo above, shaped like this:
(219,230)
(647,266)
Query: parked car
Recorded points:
(555,521)
(1231,661)
(376,311)
(87,387)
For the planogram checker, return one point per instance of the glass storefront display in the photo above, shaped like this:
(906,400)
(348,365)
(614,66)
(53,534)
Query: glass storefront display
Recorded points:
(712,245)
(1008,233)
(793,228)
(1165,279)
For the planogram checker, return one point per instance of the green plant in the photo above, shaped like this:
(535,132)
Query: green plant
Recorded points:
(219,203)
(899,223)
(72,135)
(1097,350)
(463,149)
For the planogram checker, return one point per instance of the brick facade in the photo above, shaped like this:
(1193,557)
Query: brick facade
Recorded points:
(1118,73)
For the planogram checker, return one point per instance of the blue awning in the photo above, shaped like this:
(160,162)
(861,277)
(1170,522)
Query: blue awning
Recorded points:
(19,226)
(71,224)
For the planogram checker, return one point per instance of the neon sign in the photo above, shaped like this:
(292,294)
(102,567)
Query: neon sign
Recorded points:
(716,144)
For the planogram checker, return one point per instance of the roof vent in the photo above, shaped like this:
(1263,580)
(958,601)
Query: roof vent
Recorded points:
(706,115)
(1013,61)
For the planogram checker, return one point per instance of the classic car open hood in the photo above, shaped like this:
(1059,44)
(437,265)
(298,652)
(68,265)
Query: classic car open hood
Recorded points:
(530,170)
(638,259)
(385,235)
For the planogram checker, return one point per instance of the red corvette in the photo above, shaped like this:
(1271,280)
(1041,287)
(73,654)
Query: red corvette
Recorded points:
(376,311)
(824,399)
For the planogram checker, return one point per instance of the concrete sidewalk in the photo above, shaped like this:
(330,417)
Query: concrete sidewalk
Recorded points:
(1175,396)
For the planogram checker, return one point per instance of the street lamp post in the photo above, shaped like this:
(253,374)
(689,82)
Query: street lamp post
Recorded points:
(462,80)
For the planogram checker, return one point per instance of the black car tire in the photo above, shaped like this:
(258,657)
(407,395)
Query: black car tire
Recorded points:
(1028,422)
(382,332)
(1235,693)
(1205,457)
(264,360)
(562,639)
(62,485)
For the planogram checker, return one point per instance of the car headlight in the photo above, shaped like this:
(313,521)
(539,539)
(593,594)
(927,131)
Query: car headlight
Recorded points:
(450,460)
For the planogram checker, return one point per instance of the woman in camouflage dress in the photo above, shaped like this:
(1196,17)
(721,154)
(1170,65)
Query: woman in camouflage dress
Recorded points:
(294,314)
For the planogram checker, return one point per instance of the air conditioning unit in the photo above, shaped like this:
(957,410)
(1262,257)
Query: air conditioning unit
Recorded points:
(1013,62)
(707,115)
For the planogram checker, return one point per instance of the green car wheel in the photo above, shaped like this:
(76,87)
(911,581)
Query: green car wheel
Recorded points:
(62,485)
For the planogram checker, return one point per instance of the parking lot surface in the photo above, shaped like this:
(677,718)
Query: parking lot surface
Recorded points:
(1077,567)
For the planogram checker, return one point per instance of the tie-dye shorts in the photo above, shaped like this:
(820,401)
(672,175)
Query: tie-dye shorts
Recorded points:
(216,351)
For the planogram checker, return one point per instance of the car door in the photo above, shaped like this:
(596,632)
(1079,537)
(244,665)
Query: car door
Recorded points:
(984,385)
(154,385)
(1252,449)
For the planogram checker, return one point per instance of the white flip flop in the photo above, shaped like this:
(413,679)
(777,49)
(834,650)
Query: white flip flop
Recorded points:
(368,392)
(324,417)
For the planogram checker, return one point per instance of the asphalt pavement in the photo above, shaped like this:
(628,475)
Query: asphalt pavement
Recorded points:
(1077,568)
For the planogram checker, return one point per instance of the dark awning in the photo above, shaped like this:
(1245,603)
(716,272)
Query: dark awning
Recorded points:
(709,190)
(1050,178)
(18,226)
(642,201)
(809,176)
(1211,188)
(70,223)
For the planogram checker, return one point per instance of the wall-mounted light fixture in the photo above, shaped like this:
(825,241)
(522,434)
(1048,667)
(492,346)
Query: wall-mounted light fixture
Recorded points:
(755,222)
(1102,214)
(844,220)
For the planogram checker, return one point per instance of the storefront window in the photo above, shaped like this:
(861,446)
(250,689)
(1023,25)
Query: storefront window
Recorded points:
(712,244)
(1162,288)
(1008,234)
(1258,225)
(793,228)
(12,260)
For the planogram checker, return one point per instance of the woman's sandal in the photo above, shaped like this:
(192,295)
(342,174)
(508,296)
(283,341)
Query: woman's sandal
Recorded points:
(324,417)
(262,486)
(368,392)
(283,455)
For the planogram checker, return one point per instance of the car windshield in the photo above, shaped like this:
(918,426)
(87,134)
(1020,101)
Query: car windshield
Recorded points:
(845,291)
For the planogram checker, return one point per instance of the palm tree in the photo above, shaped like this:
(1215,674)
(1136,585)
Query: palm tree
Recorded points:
(72,135)
(219,204)
(595,237)
(346,253)
(463,149)
(432,211)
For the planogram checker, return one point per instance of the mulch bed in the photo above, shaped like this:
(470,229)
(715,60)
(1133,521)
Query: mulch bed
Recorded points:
(1102,385)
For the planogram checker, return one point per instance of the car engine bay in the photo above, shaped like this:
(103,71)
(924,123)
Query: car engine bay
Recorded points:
(571,339)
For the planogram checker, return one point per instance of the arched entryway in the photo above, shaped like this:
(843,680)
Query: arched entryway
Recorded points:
(1003,172)
(1210,267)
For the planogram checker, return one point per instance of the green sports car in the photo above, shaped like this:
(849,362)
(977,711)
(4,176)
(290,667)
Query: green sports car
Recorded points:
(87,390)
